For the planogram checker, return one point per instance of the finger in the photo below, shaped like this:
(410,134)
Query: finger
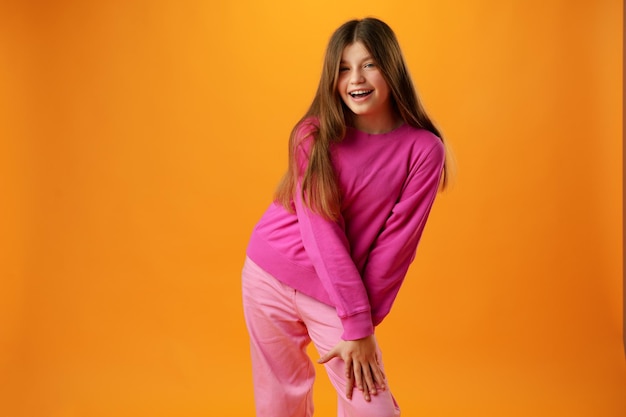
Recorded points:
(378,376)
(328,356)
(360,380)
(369,385)
(358,375)
(380,369)
(349,386)
(348,369)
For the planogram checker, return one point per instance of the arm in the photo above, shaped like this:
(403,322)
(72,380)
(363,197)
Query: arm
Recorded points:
(394,249)
(329,249)
(327,246)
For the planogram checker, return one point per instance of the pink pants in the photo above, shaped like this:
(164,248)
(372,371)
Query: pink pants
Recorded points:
(282,322)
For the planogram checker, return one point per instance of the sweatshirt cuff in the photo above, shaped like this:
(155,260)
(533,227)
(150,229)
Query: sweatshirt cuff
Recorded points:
(357,326)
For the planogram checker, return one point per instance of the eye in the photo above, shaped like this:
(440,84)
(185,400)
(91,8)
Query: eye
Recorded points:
(369,65)
(343,69)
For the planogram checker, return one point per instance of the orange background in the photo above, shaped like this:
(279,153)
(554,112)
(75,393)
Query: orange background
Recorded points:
(141,141)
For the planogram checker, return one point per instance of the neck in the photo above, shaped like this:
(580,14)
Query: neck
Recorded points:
(375,124)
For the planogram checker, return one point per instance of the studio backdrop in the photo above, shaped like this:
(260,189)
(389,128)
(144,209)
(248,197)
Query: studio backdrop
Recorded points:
(140,141)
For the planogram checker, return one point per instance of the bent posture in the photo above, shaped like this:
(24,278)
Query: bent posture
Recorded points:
(327,259)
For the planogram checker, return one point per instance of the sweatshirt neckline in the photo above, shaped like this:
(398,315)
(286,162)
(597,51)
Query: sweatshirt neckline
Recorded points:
(376,135)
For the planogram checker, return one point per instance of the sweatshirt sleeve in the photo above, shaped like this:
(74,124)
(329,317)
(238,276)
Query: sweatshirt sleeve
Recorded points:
(395,247)
(327,246)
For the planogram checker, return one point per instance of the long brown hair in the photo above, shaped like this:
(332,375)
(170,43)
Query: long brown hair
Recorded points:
(320,190)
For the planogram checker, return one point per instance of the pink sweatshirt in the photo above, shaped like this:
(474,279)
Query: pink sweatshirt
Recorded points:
(357,264)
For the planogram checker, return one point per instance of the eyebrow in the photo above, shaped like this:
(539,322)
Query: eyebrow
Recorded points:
(367,58)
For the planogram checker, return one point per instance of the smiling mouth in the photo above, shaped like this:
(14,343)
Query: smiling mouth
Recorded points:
(360,93)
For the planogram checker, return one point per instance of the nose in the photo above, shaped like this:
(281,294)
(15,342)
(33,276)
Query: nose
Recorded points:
(356,77)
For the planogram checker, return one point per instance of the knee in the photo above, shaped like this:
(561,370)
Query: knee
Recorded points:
(378,407)
(372,412)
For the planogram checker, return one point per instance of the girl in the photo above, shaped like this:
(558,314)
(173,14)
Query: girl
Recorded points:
(327,259)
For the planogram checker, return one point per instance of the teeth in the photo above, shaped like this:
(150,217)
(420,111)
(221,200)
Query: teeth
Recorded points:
(360,92)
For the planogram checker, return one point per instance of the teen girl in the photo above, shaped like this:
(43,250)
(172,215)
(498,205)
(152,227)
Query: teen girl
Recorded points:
(327,259)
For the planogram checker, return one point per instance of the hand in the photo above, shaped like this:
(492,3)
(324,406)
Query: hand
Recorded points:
(361,365)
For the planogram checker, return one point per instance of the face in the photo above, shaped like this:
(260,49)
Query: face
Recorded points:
(362,87)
